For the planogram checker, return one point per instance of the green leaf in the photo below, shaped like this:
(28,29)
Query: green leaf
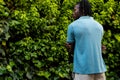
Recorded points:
(44,73)
(117,36)
(9,68)
(28,75)
(2,52)
(50,58)
(2,70)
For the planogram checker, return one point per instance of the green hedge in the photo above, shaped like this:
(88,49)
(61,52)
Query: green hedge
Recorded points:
(33,34)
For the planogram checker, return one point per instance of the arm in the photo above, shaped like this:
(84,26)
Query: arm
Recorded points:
(70,39)
(70,47)
(103,47)
(70,43)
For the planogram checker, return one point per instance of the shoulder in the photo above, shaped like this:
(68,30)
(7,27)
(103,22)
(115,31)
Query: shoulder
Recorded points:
(100,25)
(74,23)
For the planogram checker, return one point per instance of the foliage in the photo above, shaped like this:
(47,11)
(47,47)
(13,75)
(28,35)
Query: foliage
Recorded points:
(4,36)
(33,34)
(107,13)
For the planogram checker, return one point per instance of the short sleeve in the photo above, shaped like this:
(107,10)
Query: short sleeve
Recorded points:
(70,34)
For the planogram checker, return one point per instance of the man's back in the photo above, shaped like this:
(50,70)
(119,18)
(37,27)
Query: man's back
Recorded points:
(87,35)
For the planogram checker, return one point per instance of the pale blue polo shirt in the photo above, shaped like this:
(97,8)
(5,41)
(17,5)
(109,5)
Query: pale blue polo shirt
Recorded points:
(87,35)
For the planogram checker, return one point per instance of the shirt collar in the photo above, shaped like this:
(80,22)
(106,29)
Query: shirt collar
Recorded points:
(86,17)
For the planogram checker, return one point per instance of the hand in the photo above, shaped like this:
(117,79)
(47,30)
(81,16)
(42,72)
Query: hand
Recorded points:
(70,47)
(103,47)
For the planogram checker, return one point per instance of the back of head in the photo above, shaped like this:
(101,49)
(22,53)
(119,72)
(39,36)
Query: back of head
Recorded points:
(85,8)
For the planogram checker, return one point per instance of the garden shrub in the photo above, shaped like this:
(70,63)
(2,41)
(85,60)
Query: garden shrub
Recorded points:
(33,35)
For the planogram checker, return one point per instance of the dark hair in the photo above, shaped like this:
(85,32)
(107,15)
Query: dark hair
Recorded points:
(85,8)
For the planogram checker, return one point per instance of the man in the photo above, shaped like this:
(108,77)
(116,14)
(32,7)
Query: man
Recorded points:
(85,35)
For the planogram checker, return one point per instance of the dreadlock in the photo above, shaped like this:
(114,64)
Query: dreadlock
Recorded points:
(85,8)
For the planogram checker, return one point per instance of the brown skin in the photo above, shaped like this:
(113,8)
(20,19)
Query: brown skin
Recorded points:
(103,47)
(70,47)
(76,15)
(76,12)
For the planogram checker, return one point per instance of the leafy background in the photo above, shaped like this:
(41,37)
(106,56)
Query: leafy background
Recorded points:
(33,34)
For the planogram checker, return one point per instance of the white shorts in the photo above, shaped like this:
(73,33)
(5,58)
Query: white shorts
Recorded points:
(99,76)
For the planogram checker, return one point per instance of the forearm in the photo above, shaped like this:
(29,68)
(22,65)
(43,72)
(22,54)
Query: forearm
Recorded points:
(70,47)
